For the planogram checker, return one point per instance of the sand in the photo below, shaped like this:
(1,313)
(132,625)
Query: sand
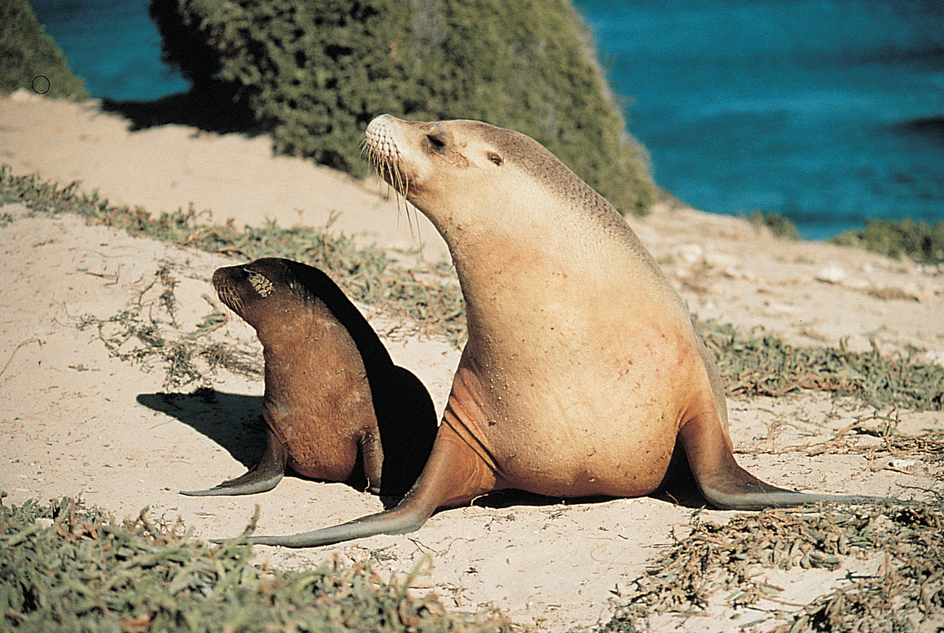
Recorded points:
(77,420)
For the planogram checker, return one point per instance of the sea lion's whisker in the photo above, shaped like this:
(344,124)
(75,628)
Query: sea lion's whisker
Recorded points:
(387,168)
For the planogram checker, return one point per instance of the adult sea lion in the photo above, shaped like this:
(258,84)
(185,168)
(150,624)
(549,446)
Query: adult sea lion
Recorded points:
(582,374)
(333,397)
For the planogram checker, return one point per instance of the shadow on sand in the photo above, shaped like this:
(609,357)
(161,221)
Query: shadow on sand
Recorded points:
(215,108)
(233,421)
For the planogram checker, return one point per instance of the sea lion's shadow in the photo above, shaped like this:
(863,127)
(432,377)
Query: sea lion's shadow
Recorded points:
(512,498)
(234,421)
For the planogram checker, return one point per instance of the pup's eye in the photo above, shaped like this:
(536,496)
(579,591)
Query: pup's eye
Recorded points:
(495,158)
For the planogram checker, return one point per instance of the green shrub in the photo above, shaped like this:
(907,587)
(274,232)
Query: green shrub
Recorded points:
(918,241)
(317,71)
(779,225)
(30,59)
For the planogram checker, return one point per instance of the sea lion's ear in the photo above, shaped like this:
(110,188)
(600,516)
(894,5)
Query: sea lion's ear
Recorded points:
(495,158)
(439,137)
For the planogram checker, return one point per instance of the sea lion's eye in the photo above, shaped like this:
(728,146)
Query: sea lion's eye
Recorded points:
(435,141)
(439,137)
(495,158)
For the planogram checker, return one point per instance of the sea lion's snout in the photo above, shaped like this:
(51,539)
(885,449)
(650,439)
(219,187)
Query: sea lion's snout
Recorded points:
(382,149)
(439,137)
(380,141)
(225,286)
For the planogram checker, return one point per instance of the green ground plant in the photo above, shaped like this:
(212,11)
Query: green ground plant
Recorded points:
(921,242)
(30,59)
(766,365)
(65,567)
(315,72)
(430,298)
(778,224)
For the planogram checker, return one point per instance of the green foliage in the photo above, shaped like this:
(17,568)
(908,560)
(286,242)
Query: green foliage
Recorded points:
(768,366)
(68,568)
(918,241)
(190,53)
(317,71)
(30,59)
(780,226)
(430,297)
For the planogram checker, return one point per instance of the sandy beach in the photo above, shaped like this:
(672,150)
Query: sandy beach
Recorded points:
(78,421)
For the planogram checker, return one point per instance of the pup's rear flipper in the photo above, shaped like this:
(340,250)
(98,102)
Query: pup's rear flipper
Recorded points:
(454,474)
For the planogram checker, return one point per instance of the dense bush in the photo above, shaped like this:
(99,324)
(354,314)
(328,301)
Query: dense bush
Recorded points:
(30,59)
(779,225)
(317,71)
(916,240)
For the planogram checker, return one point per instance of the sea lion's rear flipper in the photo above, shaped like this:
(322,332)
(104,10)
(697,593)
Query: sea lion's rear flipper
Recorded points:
(453,475)
(727,486)
(262,477)
(372,456)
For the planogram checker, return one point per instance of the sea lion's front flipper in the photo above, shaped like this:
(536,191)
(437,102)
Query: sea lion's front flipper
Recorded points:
(262,477)
(454,474)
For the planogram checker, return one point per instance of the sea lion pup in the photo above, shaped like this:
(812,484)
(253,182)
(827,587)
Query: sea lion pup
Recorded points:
(333,397)
(582,372)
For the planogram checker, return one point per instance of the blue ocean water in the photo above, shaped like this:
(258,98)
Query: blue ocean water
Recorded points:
(112,45)
(828,112)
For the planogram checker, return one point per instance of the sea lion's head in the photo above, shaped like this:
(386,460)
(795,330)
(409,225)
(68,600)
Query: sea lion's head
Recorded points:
(254,290)
(483,184)
(464,173)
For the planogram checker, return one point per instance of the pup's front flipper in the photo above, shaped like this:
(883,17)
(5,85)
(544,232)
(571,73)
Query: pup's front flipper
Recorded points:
(262,477)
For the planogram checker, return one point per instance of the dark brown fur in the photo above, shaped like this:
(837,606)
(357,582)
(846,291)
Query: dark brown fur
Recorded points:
(333,397)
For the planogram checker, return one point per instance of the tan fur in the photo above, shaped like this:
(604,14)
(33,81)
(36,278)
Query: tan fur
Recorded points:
(581,357)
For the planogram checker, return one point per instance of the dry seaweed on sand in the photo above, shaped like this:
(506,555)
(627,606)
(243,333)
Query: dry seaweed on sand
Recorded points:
(65,567)
(906,594)
(146,332)
(927,447)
